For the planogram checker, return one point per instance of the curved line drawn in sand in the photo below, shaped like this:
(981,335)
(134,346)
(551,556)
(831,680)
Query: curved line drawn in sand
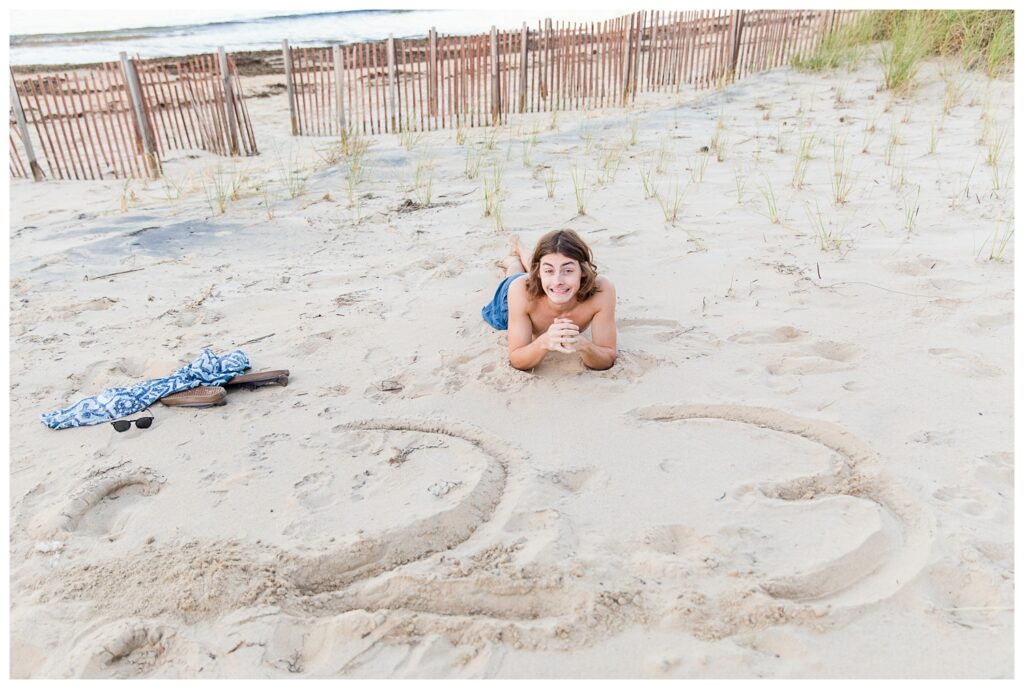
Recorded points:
(442,531)
(484,598)
(474,602)
(96,489)
(864,575)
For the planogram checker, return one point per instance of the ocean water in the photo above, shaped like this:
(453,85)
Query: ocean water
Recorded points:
(98,36)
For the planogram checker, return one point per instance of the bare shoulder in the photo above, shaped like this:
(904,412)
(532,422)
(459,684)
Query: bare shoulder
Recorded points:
(518,288)
(518,300)
(605,294)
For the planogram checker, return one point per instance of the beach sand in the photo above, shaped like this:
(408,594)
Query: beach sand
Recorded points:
(801,464)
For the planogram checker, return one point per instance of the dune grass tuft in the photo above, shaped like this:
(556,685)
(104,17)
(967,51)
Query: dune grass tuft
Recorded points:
(980,39)
(768,193)
(579,185)
(670,203)
(1001,236)
(550,180)
(845,45)
(828,239)
(842,166)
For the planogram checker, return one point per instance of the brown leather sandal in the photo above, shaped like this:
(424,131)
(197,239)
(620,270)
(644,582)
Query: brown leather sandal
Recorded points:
(202,396)
(257,379)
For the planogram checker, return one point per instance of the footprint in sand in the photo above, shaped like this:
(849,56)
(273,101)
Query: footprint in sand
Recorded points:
(997,553)
(498,374)
(348,299)
(993,322)
(781,335)
(532,522)
(923,265)
(397,384)
(315,342)
(456,367)
(696,341)
(359,482)
(807,361)
(104,374)
(964,363)
(316,496)
(449,269)
(662,329)
(394,378)
(314,491)
(261,449)
(641,346)
(821,357)
(99,304)
(950,286)
(995,472)
(933,437)
(131,648)
(965,500)
(571,480)
(969,595)
(679,540)
(986,489)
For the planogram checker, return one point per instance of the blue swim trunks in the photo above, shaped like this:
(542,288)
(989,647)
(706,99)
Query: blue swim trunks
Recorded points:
(496,313)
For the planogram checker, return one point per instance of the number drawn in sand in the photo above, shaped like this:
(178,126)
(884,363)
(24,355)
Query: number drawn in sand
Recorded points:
(370,556)
(468,572)
(886,559)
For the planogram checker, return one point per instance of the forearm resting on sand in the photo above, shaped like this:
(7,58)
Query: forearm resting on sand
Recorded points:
(595,356)
(526,357)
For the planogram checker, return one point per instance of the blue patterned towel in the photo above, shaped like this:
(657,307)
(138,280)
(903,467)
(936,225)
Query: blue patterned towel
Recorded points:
(113,403)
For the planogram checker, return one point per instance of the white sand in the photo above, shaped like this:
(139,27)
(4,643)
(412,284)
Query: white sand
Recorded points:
(800,466)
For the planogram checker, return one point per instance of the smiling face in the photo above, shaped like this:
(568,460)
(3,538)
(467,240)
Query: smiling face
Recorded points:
(562,270)
(560,278)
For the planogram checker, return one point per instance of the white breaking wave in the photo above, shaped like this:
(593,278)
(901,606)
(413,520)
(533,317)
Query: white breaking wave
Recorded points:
(58,38)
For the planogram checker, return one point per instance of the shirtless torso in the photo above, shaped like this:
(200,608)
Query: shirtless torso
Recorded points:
(530,324)
(542,315)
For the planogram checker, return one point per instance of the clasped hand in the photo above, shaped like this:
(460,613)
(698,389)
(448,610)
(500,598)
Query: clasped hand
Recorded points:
(562,336)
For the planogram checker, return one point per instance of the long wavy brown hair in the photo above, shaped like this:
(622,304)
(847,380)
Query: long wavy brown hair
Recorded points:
(567,243)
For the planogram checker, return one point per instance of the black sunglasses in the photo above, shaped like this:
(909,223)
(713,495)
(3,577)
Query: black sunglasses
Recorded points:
(122,425)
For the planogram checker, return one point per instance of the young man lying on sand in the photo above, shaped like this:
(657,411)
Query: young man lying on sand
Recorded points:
(546,308)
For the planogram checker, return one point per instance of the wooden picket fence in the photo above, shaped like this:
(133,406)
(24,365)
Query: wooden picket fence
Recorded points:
(82,123)
(120,118)
(192,105)
(450,81)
